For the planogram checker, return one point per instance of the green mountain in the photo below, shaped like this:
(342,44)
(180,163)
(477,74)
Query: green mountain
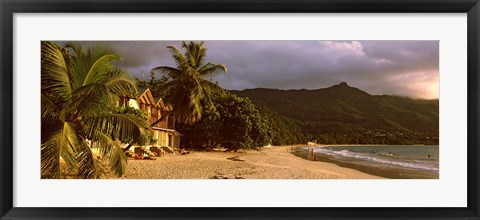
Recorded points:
(344,114)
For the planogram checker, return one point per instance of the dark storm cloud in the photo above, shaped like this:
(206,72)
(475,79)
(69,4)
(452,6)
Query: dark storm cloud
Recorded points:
(406,68)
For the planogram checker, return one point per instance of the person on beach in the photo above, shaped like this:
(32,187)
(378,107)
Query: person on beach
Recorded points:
(313,156)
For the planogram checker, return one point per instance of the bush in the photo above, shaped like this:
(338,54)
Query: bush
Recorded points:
(235,123)
(131,110)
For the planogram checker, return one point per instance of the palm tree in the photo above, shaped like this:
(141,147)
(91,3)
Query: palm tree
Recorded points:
(186,85)
(78,97)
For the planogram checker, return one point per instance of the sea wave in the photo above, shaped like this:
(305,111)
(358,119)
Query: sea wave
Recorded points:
(377,160)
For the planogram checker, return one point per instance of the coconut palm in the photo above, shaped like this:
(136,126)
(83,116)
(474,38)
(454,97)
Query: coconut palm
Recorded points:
(187,86)
(78,105)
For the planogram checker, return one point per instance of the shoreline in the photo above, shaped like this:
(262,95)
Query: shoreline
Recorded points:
(360,145)
(392,172)
(273,162)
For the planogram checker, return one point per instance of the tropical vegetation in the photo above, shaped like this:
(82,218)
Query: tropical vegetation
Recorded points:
(337,115)
(83,127)
(80,120)
(208,116)
(235,123)
(185,84)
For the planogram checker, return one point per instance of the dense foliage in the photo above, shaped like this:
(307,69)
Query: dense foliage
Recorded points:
(79,112)
(284,130)
(131,110)
(235,123)
(156,86)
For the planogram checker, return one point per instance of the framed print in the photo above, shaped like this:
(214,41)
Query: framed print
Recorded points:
(257,110)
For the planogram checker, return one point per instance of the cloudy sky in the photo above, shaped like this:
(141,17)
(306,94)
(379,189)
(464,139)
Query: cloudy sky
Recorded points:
(404,68)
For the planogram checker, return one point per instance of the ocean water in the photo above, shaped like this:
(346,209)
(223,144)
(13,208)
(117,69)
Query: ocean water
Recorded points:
(391,161)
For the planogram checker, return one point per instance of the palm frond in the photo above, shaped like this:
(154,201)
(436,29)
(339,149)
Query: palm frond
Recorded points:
(179,58)
(58,144)
(171,72)
(92,65)
(50,112)
(50,159)
(195,53)
(211,90)
(54,72)
(78,98)
(196,98)
(100,68)
(93,99)
(180,97)
(185,89)
(110,152)
(98,50)
(187,102)
(118,161)
(77,49)
(120,83)
(117,126)
(214,87)
(89,167)
(210,69)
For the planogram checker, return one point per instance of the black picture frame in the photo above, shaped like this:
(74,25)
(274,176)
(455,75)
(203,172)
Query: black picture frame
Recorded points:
(9,7)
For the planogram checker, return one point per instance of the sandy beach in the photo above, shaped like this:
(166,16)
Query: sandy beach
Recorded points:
(269,163)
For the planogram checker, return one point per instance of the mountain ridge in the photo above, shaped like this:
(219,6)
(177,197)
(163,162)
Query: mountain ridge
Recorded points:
(345,110)
(344,84)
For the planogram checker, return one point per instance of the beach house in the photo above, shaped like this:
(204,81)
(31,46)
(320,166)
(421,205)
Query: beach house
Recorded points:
(158,117)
